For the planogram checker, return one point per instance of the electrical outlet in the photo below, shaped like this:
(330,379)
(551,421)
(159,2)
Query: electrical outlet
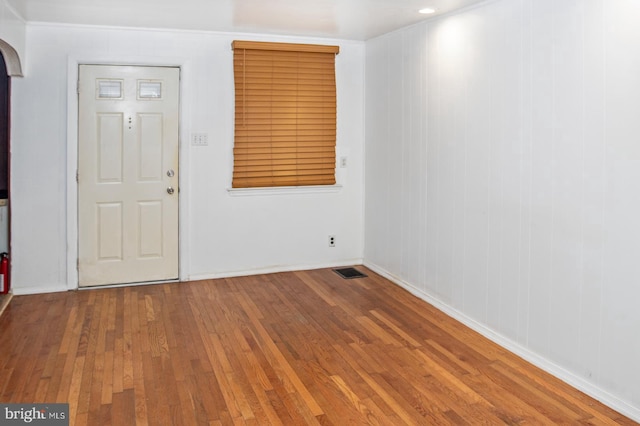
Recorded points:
(199,139)
(343,162)
(332,240)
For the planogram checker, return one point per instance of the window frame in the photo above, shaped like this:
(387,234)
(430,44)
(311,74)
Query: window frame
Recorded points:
(292,156)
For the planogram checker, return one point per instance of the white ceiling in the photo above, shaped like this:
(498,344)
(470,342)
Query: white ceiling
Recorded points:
(342,19)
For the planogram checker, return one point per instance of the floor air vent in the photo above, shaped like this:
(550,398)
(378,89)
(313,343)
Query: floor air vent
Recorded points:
(349,273)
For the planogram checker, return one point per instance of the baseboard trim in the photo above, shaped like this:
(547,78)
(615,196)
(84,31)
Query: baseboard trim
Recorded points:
(273,270)
(561,373)
(23,291)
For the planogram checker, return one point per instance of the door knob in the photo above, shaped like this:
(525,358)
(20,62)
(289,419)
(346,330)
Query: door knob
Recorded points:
(170,173)
(170,190)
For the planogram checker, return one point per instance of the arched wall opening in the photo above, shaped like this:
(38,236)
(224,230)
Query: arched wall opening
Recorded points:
(12,63)
(5,115)
(10,66)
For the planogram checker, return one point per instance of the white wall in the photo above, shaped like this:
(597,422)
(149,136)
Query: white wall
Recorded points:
(502,179)
(221,234)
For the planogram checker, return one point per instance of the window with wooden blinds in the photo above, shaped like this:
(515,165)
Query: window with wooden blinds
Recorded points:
(285,117)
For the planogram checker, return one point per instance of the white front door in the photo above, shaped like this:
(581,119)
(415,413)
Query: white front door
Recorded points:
(127,174)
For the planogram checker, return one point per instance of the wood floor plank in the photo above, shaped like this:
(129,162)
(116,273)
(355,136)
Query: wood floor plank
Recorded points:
(74,387)
(298,348)
(5,299)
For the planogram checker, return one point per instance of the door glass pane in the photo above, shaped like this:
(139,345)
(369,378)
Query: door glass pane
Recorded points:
(149,89)
(109,89)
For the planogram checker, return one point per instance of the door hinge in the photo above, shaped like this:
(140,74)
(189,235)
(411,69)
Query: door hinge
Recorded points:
(77,177)
(78,86)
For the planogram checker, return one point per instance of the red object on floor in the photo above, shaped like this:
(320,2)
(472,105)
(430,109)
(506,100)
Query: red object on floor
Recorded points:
(4,273)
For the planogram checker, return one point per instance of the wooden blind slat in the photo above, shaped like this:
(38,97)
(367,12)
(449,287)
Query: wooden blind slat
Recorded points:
(285,117)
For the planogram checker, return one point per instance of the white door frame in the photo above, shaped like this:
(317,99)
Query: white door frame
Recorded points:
(72,156)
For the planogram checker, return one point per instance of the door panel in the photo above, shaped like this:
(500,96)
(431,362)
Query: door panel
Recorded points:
(127,146)
(110,140)
(109,223)
(151,236)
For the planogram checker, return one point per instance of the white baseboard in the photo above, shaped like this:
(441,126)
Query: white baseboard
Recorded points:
(545,364)
(22,291)
(272,270)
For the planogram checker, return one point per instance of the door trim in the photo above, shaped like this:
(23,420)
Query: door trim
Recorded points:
(70,262)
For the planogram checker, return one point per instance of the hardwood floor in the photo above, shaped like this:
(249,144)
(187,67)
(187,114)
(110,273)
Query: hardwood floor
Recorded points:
(291,348)
(4,301)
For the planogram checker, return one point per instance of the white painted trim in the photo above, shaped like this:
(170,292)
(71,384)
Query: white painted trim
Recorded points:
(295,38)
(561,373)
(99,287)
(273,270)
(284,190)
(23,291)
(73,63)
(11,59)
(41,289)
(72,167)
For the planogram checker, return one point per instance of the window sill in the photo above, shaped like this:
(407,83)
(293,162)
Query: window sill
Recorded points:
(284,190)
